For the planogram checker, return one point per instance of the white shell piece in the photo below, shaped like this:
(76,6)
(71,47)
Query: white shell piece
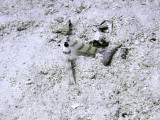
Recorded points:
(75,105)
(97,35)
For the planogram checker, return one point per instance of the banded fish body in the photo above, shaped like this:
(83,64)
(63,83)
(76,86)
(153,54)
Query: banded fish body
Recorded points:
(77,47)
(72,49)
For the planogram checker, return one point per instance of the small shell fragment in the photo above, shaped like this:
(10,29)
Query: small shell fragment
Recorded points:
(97,35)
(124,52)
(76,105)
(106,26)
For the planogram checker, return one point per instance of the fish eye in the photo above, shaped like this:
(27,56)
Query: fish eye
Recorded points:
(66,44)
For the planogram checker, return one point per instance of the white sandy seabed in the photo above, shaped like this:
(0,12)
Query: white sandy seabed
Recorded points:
(33,82)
